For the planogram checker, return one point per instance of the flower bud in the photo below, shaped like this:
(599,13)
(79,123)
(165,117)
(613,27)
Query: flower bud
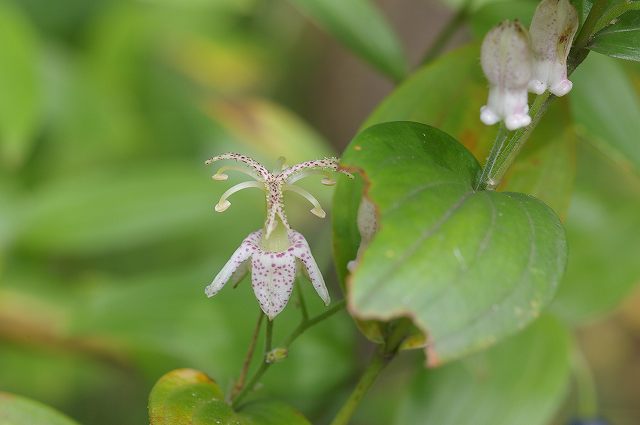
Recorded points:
(552,30)
(506,62)
(276,355)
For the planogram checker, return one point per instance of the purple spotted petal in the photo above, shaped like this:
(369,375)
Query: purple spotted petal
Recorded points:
(272,278)
(237,266)
(302,252)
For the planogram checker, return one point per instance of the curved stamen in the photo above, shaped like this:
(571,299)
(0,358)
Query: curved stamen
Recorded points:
(317,208)
(319,164)
(326,177)
(221,176)
(223,203)
(255,165)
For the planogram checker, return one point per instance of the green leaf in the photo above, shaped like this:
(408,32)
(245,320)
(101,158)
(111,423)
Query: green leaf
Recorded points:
(189,397)
(361,27)
(606,108)
(468,267)
(448,94)
(602,229)
(620,40)
(19,84)
(520,381)
(15,410)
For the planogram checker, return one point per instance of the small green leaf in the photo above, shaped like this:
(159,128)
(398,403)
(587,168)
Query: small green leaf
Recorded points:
(189,397)
(16,410)
(361,27)
(19,84)
(606,108)
(602,229)
(520,381)
(620,40)
(468,267)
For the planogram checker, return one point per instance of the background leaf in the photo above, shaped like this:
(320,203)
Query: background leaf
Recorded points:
(189,397)
(15,410)
(20,103)
(620,40)
(603,225)
(361,27)
(468,267)
(606,108)
(522,380)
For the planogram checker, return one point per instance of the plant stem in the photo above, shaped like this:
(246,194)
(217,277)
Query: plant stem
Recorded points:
(306,324)
(299,330)
(450,29)
(590,24)
(486,178)
(397,331)
(247,361)
(376,365)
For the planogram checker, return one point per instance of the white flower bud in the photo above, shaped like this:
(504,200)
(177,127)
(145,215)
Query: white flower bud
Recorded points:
(506,62)
(552,30)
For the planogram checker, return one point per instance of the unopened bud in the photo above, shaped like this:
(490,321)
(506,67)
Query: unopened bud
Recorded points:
(552,30)
(506,62)
(276,355)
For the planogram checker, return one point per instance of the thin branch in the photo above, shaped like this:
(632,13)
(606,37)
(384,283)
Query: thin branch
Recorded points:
(247,361)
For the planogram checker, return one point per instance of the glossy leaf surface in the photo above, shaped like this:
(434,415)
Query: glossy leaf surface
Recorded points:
(16,410)
(468,267)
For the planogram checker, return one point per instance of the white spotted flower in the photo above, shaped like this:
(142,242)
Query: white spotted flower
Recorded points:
(275,254)
(506,62)
(552,29)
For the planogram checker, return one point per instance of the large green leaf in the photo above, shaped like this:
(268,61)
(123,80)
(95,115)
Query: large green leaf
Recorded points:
(19,85)
(361,27)
(602,229)
(520,381)
(620,40)
(606,108)
(15,410)
(189,397)
(448,94)
(468,267)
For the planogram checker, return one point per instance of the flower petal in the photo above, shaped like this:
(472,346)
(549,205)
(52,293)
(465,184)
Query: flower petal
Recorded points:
(236,267)
(272,278)
(302,252)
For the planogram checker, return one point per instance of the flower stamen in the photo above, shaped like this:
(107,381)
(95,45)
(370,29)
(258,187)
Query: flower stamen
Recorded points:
(317,208)
(223,203)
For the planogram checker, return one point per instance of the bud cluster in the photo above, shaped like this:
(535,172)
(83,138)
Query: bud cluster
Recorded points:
(516,61)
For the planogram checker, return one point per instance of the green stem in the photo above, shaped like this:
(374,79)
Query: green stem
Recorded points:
(397,331)
(306,324)
(615,12)
(590,24)
(377,364)
(247,361)
(450,29)
(300,329)
(486,180)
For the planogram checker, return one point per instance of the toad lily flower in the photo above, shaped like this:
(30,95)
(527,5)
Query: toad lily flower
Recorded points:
(506,62)
(552,29)
(276,253)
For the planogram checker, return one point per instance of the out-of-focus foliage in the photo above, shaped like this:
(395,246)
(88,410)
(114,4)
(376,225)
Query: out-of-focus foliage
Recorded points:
(108,110)
(16,410)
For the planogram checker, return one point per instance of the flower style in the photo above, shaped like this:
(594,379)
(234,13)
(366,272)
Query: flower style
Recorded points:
(506,61)
(552,30)
(276,253)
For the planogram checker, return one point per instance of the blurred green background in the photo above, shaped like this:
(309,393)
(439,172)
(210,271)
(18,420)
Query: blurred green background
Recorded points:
(108,109)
